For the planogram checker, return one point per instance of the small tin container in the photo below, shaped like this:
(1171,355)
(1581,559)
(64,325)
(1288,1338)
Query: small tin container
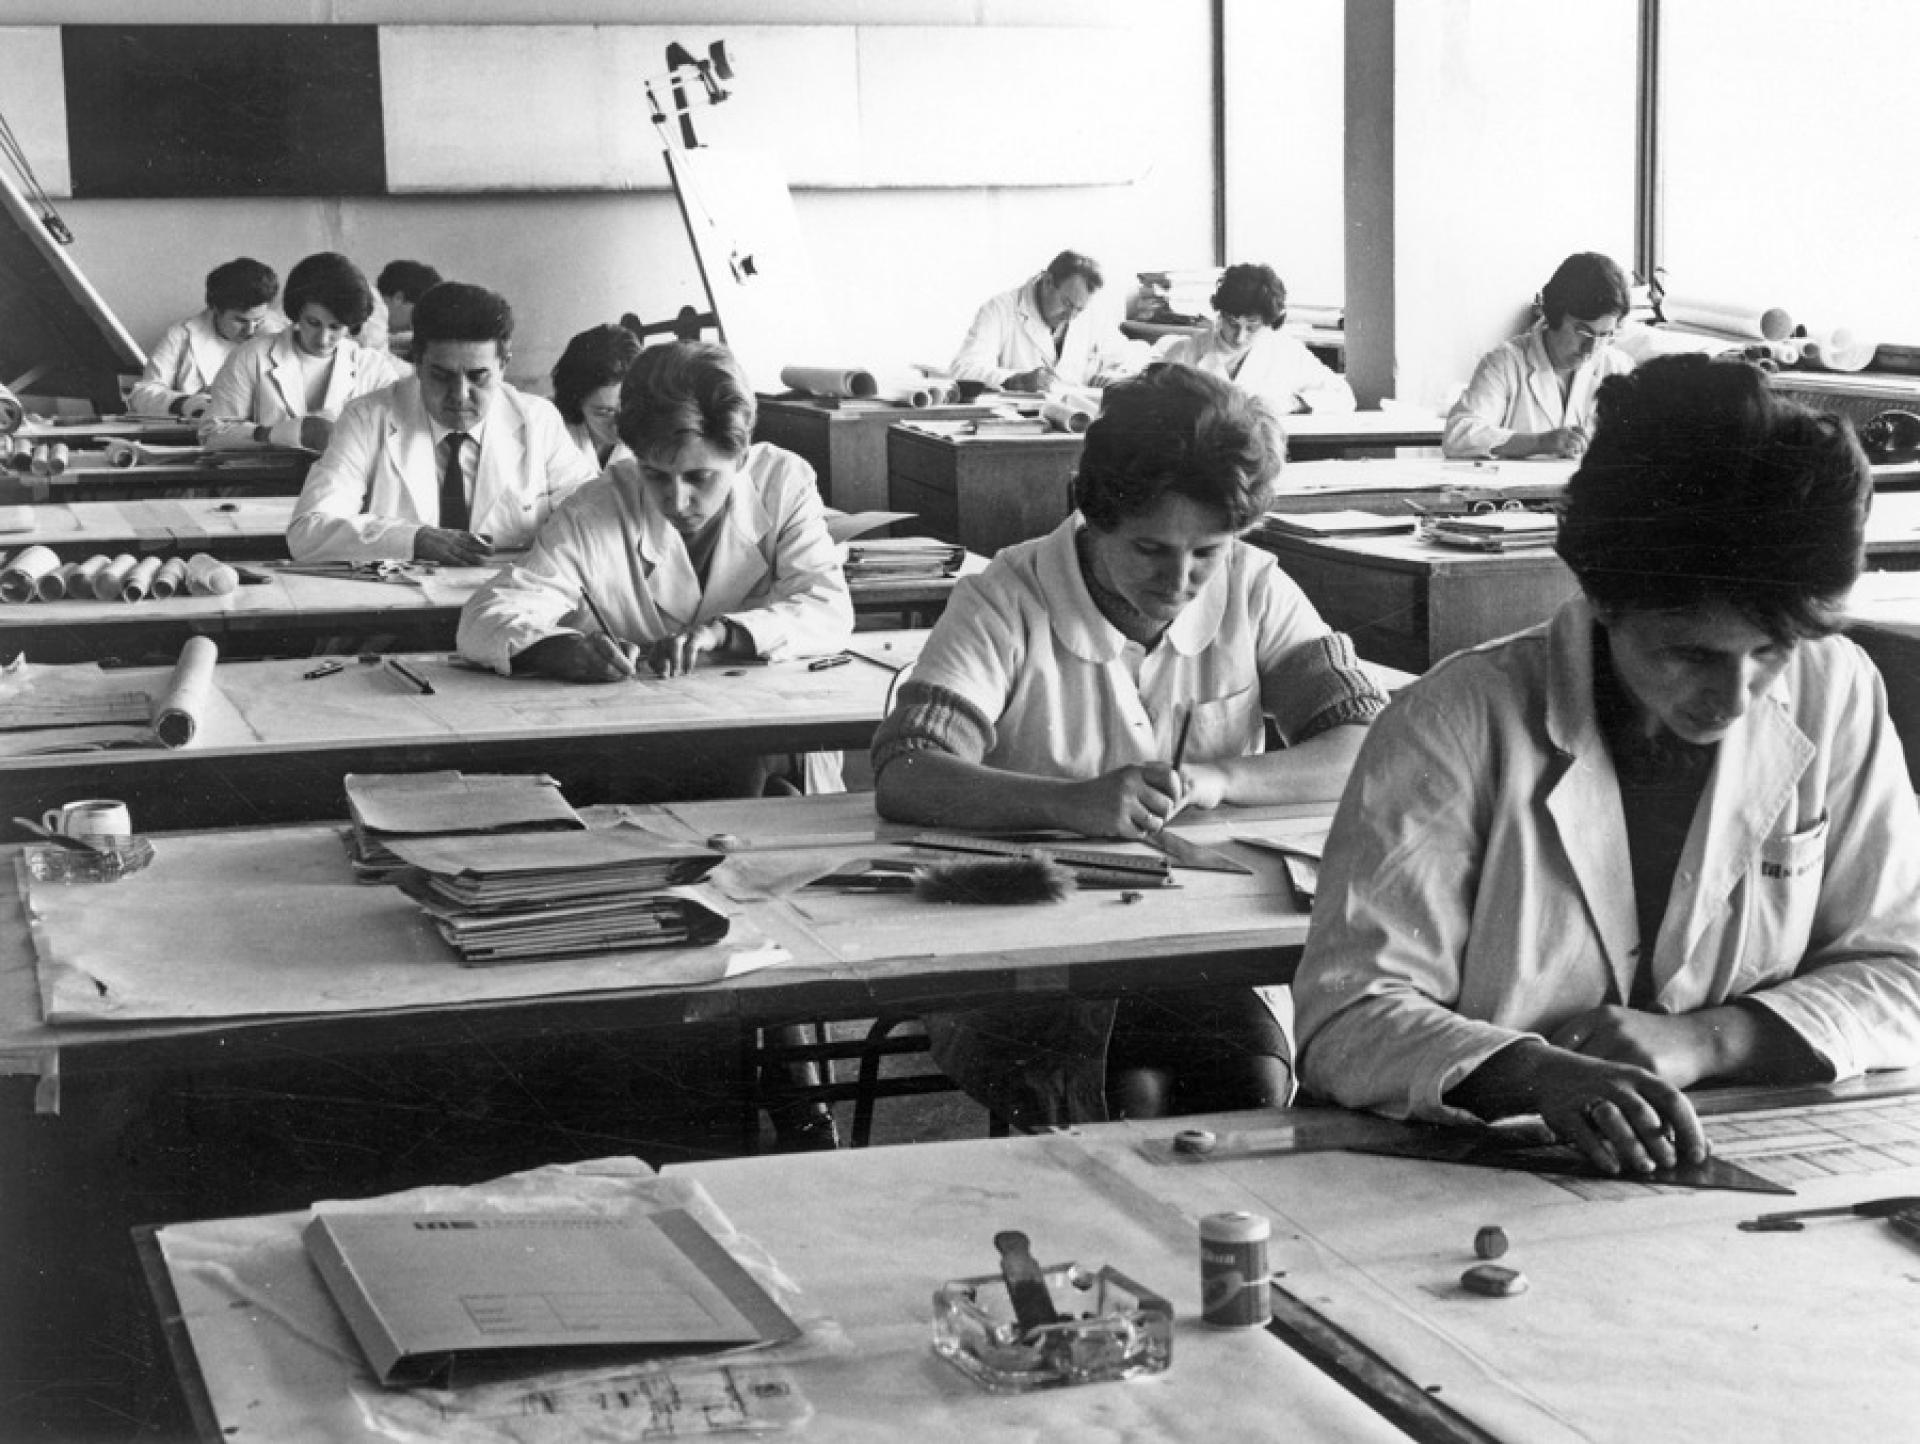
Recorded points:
(1233,1270)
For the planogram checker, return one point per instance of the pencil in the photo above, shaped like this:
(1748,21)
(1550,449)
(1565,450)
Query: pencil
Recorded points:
(1180,743)
(409,676)
(593,608)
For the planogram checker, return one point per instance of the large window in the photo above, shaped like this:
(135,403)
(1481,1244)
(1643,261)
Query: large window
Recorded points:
(1791,156)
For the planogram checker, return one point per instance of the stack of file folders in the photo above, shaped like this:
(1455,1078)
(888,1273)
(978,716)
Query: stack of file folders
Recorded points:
(902,559)
(520,896)
(388,806)
(1495,531)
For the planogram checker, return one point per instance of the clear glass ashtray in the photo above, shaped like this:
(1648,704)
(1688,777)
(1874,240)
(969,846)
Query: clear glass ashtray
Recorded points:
(114,858)
(1111,1328)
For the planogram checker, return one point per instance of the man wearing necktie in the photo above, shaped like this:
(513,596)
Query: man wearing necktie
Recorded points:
(448,466)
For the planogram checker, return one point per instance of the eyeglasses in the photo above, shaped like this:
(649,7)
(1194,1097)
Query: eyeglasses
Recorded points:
(1244,323)
(1599,338)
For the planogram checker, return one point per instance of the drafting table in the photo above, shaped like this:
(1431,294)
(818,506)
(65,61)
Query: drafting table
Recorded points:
(1651,1315)
(234,529)
(845,440)
(236,473)
(989,490)
(293,612)
(1408,602)
(273,745)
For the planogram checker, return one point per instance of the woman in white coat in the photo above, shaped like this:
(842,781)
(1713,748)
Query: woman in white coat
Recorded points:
(179,373)
(1056,690)
(1666,838)
(586,389)
(1534,395)
(287,390)
(1247,347)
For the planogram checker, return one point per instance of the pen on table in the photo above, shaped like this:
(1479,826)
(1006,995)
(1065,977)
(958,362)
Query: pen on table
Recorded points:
(325,669)
(838,659)
(409,676)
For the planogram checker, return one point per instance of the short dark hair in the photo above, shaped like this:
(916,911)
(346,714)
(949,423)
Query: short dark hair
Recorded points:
(1072,263)
(241,284)
(1250,290)
(457,311)
(336,283)
(682,390)
(1587,285)
(409,280)
(1175,429)
(1701,484)
(595,358)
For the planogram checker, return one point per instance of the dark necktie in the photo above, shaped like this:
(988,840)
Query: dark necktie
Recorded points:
(454,513)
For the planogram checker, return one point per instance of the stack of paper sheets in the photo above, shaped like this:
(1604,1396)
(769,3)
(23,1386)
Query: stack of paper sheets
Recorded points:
(902,559)
(1336,523)
(388,806)
(514,897)
(1496,531)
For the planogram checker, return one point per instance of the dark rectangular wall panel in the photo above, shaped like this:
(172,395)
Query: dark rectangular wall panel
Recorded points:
(224,110)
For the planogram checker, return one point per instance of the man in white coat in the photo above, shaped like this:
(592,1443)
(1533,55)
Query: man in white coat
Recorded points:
(447,466)
(1046,333)
(179,372)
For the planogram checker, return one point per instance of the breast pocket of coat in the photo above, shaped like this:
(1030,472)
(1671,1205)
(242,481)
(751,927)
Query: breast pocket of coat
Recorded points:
(1228,726)
(1784,892)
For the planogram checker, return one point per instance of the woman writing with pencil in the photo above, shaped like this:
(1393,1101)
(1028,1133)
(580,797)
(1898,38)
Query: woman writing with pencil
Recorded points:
(1060,683)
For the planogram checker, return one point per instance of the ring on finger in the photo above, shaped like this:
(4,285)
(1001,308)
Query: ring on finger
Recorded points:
(1590,1112)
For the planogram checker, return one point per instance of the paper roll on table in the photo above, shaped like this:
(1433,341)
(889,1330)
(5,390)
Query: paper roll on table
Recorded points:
(1729,318)
(50,458)
(176,715)
(108,581)
(124,453)
(829,381)
(208,576)
(1074,416)
(139,583)
(1840,349)
(12,414)
(19,454)
(171,579)
(20,578)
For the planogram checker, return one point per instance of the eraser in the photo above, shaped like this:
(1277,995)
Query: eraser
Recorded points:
(1496,1281)
(1195,1140)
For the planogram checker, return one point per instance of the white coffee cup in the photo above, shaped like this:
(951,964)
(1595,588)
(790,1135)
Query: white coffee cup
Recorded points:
(90,817)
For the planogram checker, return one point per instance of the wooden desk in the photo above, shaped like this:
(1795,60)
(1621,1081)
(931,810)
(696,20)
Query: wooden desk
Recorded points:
(237,529)
(853,955)
(272,745)
(846,440)
(293,613)
(990,491)
(1408,603)
(1651,1315)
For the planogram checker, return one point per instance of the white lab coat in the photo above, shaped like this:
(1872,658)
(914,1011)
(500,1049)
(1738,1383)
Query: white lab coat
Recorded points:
(1008,337)
(1477,888)
(775,571)
(262,385)
(185,362)
(1275,367)
(378,482)
(1514,389)
(590,449)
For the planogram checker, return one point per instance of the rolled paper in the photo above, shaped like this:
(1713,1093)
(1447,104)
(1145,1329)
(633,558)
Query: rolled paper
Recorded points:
(122,453)
(139,583)
(56,584)
(914,396)
(1729,318)
(1067,416)
(829,381)
(176,716)
(12,414)
(1787,353)
(170,579)
(195,407)
(20,578)
(59,457)
(41,462)
(110,578)
(210,577)
(20,454)
(1840,349)
(80,584)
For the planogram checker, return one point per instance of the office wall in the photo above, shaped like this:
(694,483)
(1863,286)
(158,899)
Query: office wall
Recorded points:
(1487,139)
(899,270)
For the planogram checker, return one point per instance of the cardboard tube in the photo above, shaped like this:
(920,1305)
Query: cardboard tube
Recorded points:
(81,583)
(122,453)
(1841,349)
(20,579)
(1067,416)
(40,463)
(170,579)
(110,578)
(56,584)
(176,716)
(59,457)
(12,414)
(139,583)
(829,380)
(20,454)
(209,577)
(1729,318)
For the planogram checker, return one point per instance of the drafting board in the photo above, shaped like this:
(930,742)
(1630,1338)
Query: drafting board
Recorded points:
(60,338)
(753,262)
